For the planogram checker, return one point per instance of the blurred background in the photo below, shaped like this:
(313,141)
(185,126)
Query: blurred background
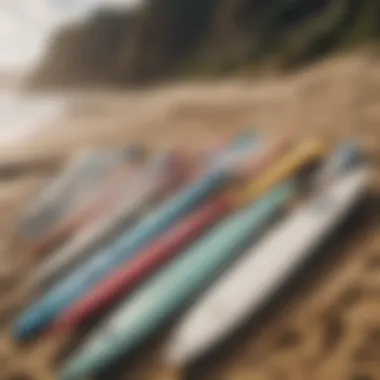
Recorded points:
(76,74)
(233,62)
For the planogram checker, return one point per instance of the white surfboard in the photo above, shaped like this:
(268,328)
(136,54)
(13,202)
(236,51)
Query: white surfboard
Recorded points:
(258,275)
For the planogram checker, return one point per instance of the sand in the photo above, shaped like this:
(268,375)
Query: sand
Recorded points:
(329,328)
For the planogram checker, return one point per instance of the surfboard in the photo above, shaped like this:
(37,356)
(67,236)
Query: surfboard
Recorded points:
(78,181)
(263,270)
(147,187)
(56,236)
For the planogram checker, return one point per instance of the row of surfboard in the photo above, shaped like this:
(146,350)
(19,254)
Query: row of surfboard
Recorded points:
(149,235)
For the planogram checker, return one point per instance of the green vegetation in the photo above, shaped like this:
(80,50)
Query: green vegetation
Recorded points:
(171,38)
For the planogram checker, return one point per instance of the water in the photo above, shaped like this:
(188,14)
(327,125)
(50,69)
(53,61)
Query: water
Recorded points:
(23,115)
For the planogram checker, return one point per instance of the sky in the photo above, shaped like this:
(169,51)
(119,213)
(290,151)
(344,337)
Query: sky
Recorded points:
(25,26)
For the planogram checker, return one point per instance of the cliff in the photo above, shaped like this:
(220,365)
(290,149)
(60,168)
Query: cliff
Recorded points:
(170,38)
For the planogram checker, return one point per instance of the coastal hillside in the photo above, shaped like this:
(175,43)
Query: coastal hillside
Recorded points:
(167,39)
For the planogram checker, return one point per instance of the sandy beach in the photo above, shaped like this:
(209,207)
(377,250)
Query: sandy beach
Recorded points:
(323,333)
